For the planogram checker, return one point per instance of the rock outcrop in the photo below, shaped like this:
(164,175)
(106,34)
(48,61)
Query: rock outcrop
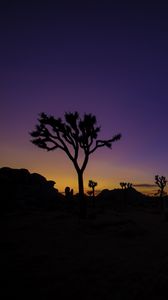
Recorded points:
(19,188)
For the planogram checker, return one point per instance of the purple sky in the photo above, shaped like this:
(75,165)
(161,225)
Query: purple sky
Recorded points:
(107,59)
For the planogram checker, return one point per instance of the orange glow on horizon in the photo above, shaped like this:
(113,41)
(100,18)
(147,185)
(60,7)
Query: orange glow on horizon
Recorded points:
(108,171)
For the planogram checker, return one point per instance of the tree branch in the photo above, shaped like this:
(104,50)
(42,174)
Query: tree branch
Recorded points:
(107,143)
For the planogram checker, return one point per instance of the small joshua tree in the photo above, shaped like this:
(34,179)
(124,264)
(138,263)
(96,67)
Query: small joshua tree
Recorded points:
(161,183)
(125,185)
(92,184)
(129,185)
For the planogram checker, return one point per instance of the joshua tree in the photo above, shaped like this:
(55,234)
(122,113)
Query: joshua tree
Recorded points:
(125,185)
(73,136)
(129,185)
(161,183)
(92,184)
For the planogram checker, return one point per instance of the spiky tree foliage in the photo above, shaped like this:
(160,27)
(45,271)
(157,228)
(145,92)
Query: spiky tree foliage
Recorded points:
(161,183)
(73,136)
(92,184)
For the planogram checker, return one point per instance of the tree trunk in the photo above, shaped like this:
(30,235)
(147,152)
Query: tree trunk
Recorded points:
(82,199)
(93,192)
(80,183)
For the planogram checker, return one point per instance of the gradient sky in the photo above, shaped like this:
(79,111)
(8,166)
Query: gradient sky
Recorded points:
(107,59)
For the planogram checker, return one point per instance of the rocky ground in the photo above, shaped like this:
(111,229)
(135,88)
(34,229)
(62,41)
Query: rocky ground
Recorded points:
(53,254)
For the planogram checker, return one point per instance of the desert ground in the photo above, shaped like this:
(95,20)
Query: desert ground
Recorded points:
(54,254)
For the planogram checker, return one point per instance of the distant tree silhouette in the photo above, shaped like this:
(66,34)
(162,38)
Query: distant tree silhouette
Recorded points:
(161,183)
(129,185)
(73,136)
(125,185)
(92,184)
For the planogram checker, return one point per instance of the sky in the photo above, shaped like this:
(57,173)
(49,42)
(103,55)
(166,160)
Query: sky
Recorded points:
(105,58)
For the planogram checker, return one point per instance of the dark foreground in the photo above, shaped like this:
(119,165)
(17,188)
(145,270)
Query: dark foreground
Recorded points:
(55,255)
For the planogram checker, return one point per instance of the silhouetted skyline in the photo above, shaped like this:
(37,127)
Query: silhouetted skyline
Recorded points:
(106,59)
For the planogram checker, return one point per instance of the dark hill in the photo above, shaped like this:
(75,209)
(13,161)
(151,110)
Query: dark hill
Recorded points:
(116,194)
(119,198)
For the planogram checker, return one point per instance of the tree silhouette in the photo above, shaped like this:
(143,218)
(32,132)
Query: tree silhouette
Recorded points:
(129,185)
(125,185)
(92,184)
(161,183)
(73,136)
